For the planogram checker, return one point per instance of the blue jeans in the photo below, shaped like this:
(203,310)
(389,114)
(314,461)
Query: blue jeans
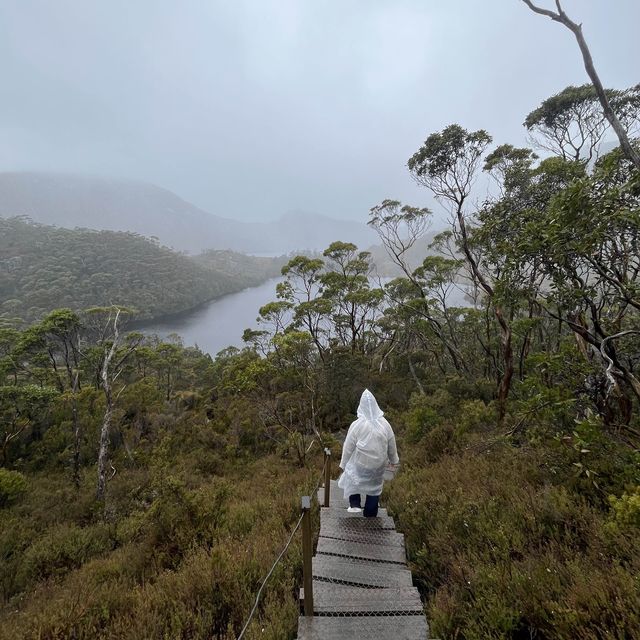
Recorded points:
(370,504)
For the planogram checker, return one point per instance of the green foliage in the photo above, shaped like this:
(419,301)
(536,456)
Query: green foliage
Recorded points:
(184,558)
(475,415)
(13,485)
(49,267)
(441,151)
(62,549)
(500,548)
(572,123)
(626,509)
(21,408)
(447,161)
(420,419)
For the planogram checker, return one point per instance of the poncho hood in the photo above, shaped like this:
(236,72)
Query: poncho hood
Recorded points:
(368,407)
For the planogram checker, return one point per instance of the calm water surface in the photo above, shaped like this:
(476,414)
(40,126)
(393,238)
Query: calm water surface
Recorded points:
(220,323)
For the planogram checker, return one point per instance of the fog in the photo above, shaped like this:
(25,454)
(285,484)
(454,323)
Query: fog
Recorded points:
(253,108)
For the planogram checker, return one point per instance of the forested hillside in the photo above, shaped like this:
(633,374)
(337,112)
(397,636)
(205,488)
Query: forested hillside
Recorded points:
(43,267)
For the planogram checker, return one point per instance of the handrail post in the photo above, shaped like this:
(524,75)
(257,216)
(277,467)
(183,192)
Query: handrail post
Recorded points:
(307,549)
(327,476)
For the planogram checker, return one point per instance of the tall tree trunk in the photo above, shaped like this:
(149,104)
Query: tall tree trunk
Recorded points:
(507,358)
(103,452)
(76,432)
(505,328)
(415,377)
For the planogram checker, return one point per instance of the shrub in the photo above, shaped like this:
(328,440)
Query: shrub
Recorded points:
(501,552)
(475,415)
(626,509)
(13,485)
(421,418)
(62,549)
(179,570)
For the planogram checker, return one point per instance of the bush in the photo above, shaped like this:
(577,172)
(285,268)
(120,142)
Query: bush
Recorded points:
(13,485)
(188,560)
(500,551)
(63,549)
(475,415)
(626,510)
(420,419)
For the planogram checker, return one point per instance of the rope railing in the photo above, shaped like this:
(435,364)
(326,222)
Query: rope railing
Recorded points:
(304,521)
(264,582)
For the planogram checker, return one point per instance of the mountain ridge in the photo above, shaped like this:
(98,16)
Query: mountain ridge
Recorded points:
(112,204)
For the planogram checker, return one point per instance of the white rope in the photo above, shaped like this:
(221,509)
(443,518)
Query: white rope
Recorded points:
(255,605)
(264,582)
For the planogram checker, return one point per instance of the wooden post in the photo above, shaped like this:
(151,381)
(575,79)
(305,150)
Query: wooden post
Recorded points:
(327,476)
(307,549)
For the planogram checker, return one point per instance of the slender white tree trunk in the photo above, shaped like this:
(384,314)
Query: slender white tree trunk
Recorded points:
(103,453)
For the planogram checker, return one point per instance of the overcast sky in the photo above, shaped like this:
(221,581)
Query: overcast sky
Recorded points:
(251,108)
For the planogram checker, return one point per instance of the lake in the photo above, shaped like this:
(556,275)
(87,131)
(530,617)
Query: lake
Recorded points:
(219,323)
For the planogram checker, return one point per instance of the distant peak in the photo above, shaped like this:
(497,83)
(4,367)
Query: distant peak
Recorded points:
(313,216)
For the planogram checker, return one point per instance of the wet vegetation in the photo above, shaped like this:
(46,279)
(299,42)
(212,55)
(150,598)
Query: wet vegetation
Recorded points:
(146,488)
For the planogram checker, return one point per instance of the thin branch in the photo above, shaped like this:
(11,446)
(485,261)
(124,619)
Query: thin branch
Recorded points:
(576,29)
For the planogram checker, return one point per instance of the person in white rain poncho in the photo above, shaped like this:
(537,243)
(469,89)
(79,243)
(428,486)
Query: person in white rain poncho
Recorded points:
(369,448)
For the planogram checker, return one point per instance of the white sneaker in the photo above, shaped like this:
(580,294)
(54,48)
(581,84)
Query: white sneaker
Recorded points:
(354,509)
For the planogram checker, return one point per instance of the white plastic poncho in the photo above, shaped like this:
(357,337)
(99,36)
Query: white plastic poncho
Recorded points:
(369,446)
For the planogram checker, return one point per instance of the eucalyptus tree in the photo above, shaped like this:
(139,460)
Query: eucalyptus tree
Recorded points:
(274,317)
(292,392)
(105,325)
(567,241)
(561,17)
(572,124)
(167,357)
(302,289)
(354,304)
(410,336)
(399,228)
(447,164)
(499,233)
(591,238)
(507,165)
(60,331)
(8,369)
(60,334)
(21,407)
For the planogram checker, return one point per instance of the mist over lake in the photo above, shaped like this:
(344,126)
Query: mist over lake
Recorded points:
(219,323)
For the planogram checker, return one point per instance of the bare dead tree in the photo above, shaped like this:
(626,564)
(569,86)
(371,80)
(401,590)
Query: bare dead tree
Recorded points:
(561,17)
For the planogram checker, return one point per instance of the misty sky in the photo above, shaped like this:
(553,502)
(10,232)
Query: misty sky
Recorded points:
(251,108)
